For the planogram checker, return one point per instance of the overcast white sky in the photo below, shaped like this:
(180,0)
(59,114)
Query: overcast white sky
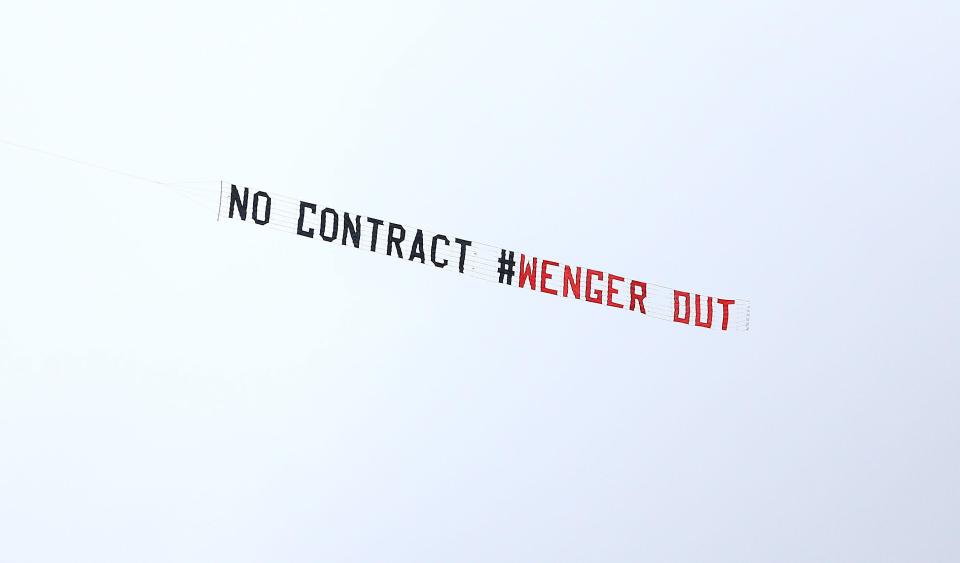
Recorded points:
(177,389)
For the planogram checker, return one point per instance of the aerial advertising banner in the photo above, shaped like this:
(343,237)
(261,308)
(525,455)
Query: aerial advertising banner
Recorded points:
(467,257)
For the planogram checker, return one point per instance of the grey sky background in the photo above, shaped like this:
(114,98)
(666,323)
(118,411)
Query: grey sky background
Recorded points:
(177,389)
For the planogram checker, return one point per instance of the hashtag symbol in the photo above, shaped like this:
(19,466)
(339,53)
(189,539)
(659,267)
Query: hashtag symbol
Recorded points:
(506,266)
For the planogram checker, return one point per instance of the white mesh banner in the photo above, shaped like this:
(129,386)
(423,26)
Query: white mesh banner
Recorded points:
(467,257)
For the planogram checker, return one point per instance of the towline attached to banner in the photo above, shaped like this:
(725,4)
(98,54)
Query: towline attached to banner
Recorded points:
(466,257)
